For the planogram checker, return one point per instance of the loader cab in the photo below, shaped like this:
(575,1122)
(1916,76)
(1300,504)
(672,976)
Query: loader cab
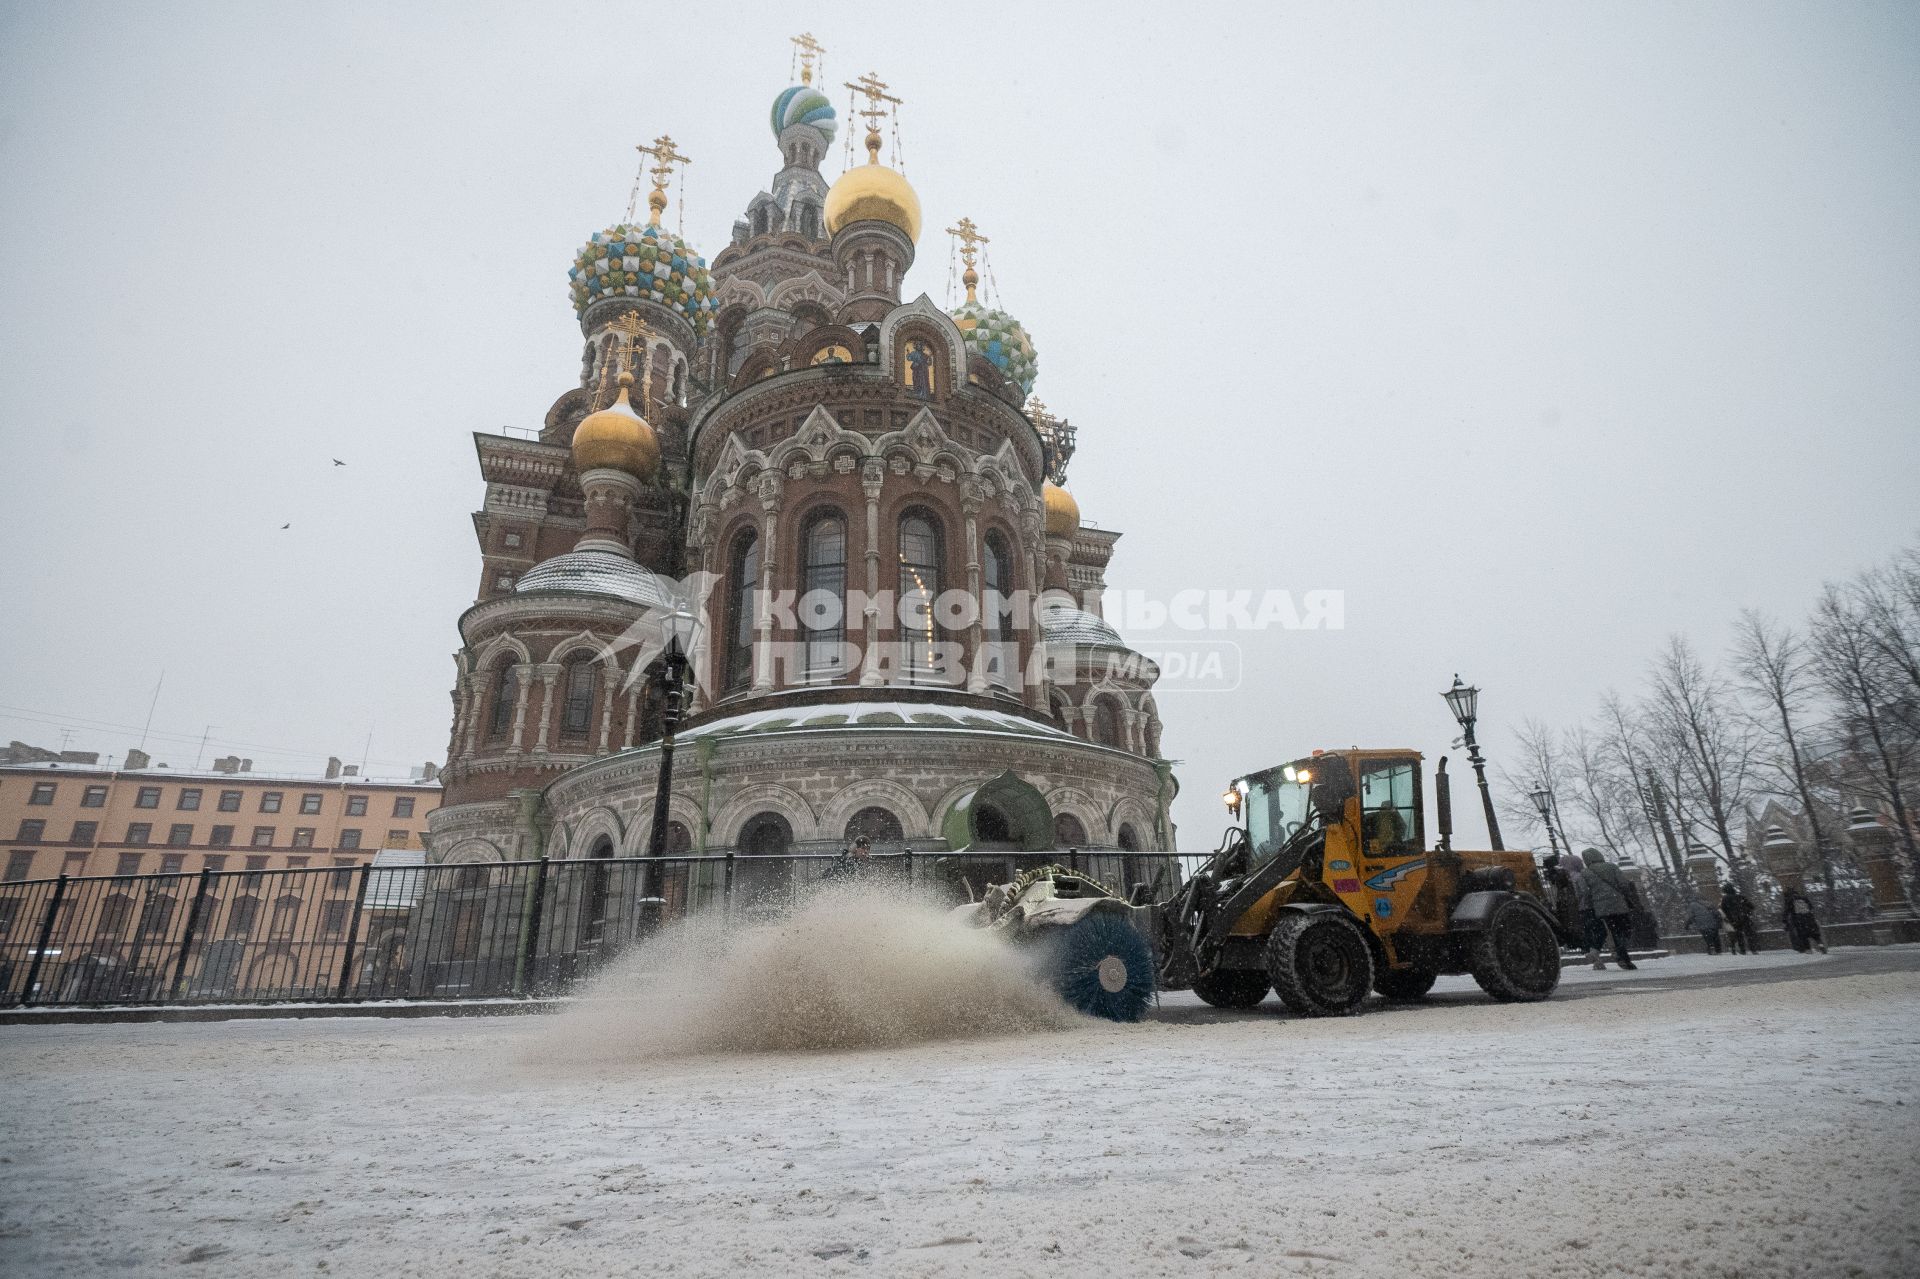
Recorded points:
(1280,802)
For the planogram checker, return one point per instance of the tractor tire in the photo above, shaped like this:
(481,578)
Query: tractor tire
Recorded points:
(1232,987)
(1516,957)
(1320,964)
(1404,985)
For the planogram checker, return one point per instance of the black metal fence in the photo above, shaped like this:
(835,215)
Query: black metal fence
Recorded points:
(486,930)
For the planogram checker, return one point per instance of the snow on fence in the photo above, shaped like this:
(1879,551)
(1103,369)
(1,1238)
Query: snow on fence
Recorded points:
(471,930)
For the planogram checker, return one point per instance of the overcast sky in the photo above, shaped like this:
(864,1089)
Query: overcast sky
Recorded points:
(1541,331)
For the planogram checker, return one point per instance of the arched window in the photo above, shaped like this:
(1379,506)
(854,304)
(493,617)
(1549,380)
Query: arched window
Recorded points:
(1106,725)
(593,894)
(576,714)
(997,579)
(919,586)
(679,839)
(505,694)
(1129,838)
(823,587)
(1061,710)
(766,835)
(881,828)
(1068,832)
(680,384)
(743,579)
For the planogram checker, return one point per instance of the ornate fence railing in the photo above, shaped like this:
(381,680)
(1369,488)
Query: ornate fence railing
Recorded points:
(480,930)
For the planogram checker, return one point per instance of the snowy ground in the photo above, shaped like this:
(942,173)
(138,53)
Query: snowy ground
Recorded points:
(1703,1117)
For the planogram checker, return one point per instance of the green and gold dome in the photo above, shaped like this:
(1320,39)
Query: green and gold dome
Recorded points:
(647,263)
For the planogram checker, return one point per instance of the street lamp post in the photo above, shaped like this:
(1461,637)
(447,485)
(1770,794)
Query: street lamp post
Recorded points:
(1543,800)
(1464,700)
(674,680)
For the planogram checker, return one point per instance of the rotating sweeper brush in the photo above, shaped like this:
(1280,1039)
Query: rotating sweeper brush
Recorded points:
(1082,935)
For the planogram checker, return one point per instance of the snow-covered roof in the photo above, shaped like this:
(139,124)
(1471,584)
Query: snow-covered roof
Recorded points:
(395,882)
(877,715)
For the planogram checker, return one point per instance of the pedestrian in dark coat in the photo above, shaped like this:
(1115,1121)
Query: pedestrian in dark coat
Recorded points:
(1565,901)
(1705,920)
(853,861)
(1803,930)
(1737,909)
(1611,900)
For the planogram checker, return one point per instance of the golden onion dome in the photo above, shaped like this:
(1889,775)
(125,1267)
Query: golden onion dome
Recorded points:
(873,193)
(1063,513)
(618,438)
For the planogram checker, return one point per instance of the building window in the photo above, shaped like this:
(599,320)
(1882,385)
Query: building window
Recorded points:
(93,797)
(350,837)
(880,827)
(1106,725)
(309,805)
(297,863)
(42,793)
(180,834)
(1068,832)
(215,861)
(403,806)
(139,832)
(356,805)
(114,913)
(286,910)
(397,838)
(255,862)
(156,914)
(343,876)
(919,586)
(240,914)
(9,911)
(766,835)
(303,837)
(221,837)
(76,864)
(743,575)
(84,832)
(172,864)
(229,801)
(505,695)
(190,799)
(263,837)
(19,864)
(129,864)
(270,801)
(333,917)
(32,830)
(576,714)
(823,586)
(149,797)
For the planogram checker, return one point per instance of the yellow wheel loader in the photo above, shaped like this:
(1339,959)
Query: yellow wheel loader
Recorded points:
(1329,890)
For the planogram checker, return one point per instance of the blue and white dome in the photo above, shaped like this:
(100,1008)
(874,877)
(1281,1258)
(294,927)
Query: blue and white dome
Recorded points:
(803,104)
(642,262)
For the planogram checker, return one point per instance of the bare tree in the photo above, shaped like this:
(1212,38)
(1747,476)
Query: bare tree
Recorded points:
(1862,684)
(1709,743)
(1632,755)
(1539,764)
(1772,667)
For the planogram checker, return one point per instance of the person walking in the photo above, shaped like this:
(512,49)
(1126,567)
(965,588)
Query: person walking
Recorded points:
(1611,902)
(1803,930)
(853,862)
(1737,909)
(1565,901)
(1705,920)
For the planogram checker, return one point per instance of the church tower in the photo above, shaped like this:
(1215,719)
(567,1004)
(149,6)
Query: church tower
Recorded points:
(850,490)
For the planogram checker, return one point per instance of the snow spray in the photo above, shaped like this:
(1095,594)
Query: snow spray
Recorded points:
(856,966)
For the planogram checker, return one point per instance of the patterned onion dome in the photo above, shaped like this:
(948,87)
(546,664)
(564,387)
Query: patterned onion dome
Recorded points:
(643,262)
(803,104)
(998,336)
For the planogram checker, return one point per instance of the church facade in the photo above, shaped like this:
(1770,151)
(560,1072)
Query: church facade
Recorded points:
(846,503)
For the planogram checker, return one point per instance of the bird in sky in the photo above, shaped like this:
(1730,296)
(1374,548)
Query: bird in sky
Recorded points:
(286,526)
(338,462)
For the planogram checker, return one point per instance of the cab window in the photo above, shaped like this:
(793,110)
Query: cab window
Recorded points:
(1389,807)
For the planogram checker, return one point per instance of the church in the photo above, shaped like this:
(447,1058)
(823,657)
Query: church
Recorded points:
(845,502)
